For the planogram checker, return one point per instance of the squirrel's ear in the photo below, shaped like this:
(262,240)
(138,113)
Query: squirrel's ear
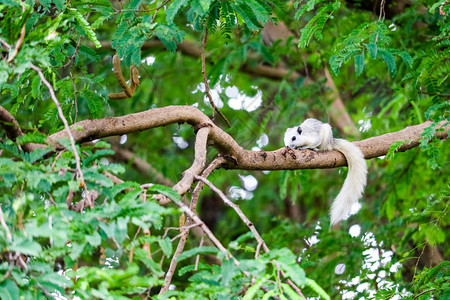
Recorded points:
(299,130)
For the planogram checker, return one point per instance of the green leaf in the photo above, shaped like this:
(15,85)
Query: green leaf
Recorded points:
(166,191)
(121,229)
(94,239)
(290,292)
(205,4)
(98,178)
(285,177)
(372,48)
(406,58)
(335,63)
(36,155)
(166,246)
(389,60)
(394,147)
(247,15)
(122,186)
(97,154)
(359,63)
(94,102)
(32,137)
(317,288)
(251,292)
(88,53)
(87,28)
(108,229)
(9,290)
(173,9)
(260,12)
(26,246)
(228,271)
(56,279)
(198,250)
(35,85)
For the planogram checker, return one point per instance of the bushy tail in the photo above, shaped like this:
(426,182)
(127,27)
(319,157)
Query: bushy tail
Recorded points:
(354,183)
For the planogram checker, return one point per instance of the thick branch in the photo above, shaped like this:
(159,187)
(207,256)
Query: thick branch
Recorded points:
(199,162)
(240,158)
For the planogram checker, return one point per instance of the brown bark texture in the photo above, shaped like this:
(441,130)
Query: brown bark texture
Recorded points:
(238,157)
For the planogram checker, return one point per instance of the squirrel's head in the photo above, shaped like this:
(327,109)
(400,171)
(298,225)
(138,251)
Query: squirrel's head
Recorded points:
(292,137)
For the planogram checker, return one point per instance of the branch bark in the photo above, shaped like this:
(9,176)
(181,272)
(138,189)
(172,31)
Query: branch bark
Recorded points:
(189,222)
(199,162)
(238,157)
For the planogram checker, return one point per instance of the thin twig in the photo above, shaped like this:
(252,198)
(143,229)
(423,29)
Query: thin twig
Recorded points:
(19,42)
(238,211)
(206,230)
(197,258)
(66,126)
(2,221)
(250,226)
(173,262)
(46,293)
(381,16)
(211,167)
(72,58)
(157,9)
(181,187)
(424,292)
(190,223)
(75,96)
(205,78)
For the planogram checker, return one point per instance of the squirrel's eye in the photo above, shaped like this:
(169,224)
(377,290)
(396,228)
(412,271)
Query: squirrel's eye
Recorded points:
(299,130)
(294,138)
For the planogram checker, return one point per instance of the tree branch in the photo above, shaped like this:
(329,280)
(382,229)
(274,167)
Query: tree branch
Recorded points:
(66,124)
(250,226)
(5,227)
(239,158)
(236,208)
(182,242)
(199,162)
(12,128)
(181,187)
(205,79)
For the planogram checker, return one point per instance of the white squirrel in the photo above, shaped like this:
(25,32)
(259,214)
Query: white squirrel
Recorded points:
(315,135)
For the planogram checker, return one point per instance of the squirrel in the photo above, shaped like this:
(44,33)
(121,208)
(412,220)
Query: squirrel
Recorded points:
(316,135)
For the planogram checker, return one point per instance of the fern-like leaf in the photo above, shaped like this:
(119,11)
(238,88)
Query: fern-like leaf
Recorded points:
(86,27)
(173,9)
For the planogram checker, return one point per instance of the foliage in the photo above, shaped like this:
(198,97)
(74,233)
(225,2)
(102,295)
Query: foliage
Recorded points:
(392,71)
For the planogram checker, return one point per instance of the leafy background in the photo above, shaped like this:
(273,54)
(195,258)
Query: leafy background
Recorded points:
(390,66)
